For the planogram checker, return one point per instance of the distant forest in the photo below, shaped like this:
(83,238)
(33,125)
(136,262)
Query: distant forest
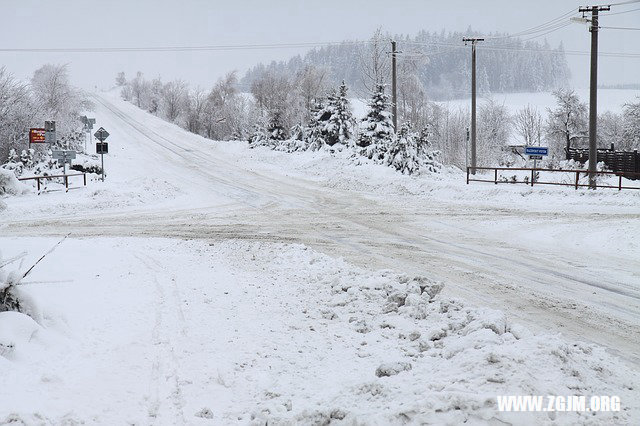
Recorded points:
(440,62)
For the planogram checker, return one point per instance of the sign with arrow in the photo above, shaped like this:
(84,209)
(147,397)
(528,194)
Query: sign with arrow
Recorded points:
(101,134)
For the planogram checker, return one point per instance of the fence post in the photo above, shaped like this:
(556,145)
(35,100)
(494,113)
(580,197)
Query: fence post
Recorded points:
(467,175)
(38,180)
(84,177)
(577,177)
(532,176)
(66,182)
(620,183)
(496,176)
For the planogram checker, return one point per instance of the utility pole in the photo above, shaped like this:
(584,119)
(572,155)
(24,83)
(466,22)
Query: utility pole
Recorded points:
(473,42)
(593,90)
(394,85)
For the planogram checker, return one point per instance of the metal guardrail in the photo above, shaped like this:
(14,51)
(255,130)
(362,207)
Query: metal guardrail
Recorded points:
(533,180)
(66,179)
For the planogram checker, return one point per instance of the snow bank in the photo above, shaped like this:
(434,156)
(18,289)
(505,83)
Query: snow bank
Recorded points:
(409,355)
(10,185)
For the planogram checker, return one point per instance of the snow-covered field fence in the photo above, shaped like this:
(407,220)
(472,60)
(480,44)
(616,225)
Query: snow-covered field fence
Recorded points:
(64,177)
(530,176)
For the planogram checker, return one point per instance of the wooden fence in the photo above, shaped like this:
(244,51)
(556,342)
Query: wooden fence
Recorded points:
(625,162)
(534,180)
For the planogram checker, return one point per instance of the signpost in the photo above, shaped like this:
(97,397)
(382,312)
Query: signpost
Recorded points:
(37,135)
(102,147)
(65,156)
(50,132)
(88,126)
(535,153)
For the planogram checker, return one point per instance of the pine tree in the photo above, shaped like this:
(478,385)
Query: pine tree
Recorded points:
(275,129)
(26,158)
(314,136)
(376,129)
(428,157)
(270,134)
(403,152)
(339,122)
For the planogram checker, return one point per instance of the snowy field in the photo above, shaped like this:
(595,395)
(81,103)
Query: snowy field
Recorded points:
(608,100)
(205,282)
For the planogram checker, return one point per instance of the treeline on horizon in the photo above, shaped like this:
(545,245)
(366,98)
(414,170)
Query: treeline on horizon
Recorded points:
(438,62)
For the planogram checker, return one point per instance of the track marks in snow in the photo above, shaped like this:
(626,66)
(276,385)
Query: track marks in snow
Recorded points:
(166,402)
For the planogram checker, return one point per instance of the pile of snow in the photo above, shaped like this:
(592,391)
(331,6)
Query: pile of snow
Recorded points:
(408,355)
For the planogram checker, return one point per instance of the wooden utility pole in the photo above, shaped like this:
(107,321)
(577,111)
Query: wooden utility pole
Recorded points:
(394,85)
(593,91)
(473,42)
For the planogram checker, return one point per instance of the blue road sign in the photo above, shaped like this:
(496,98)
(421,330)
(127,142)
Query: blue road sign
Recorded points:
(536,150)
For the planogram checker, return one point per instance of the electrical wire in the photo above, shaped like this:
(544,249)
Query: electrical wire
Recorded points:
(538,28)
(620,13)
(624,2)
(621,28)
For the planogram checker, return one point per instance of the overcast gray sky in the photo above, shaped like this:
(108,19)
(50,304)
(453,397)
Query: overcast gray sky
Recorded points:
(89,23)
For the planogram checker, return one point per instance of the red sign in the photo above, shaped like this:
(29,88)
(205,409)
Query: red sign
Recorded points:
(36,136)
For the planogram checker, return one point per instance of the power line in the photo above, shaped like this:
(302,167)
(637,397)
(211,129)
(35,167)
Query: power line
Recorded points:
(621,3)
(620,13)
(524,49)
(539,28)
(177,48)
(622,28)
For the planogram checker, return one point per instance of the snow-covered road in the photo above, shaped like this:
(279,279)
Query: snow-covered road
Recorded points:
(554,260)
(539,264)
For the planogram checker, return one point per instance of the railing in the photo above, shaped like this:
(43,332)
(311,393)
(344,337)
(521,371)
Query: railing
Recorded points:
(576,184)
(66,179)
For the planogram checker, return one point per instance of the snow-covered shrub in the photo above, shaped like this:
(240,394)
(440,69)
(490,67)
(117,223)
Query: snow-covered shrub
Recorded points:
(13,163)
(9,184)
(86,165)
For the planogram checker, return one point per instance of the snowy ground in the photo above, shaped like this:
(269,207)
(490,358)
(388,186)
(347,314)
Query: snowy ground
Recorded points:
(192,279)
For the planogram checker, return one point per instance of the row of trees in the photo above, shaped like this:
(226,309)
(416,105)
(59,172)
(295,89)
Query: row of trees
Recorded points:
(219,113)
(302,111)
(332,125)
(47,96)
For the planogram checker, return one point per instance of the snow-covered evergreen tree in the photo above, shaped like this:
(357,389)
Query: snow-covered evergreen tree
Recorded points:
(272,134)
(26,157)
(314,136)
(376,129)
(403,152)
(339,122)
(428,156)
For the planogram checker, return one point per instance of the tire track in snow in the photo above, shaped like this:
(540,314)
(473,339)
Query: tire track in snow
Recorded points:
(165,388)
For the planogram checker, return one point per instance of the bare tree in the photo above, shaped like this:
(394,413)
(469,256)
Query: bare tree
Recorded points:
(17,113)
(528,123)
(493,132)
(375,63)
(631,125)
(139,90)
(51,83)
(174,99)
(121,79)
(312,83)
(195,110)
(567,123)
